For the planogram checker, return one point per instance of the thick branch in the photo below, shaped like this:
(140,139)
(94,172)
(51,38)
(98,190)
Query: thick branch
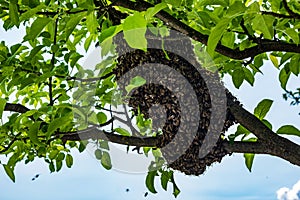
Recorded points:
(262,148)
(15,108)
(268,141)
(264,45)
(274,144)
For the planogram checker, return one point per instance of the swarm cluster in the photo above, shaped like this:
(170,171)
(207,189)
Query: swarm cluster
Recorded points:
(181,153)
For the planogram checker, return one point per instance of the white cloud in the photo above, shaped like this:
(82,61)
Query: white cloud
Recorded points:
(285,193)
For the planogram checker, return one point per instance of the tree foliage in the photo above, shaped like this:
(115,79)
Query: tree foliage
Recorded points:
(54,107)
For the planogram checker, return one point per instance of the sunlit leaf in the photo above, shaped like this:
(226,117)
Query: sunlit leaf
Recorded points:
(36,28)
(263,108)
(249,157)
(33,133)
(122,131)
(175,3)
(264,24)
(13,12)
(58,123)
(30,12)
(72,23)
(274,60)
(10,172)
(134,83)
(134,28)
(153,10)
(288,130)
(2,106)
(216,34)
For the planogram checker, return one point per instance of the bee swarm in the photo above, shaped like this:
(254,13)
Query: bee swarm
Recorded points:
(152,94)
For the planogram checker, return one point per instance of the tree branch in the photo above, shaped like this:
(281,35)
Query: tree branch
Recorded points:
(15,108)
(287,8)
(264,46)
(277,15)
(280,149)
(53,63)
(274,144)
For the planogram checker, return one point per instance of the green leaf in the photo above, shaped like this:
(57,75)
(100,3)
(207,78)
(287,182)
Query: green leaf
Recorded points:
(216,34)
(16,49)
(213,2)
(58,165)
(267,123)
(249,77)
(238,77)
(288,130)
(263,108)
(72,23)
(165,178)
(2,106)
(105,161)
(134,83)
(53,154)
(37,27)
(109,32)
(122,131)
(10,172)
(33,133)
(98,154)
(292,33)
(150,181)
(88,42)
(176,190)
(264,24)
(154,10)
(106,46)
(14,13)
(35,51)
(285,57)
(134,28)
(104,145)
(283,77)
(236,9)
(241,131)
(60,156)
(82,146)
(69,161)
(51,167)
(101,117)
(249,157)
(274,60)
(92,23)
(58,123)
(175,3)
(294,64)
(30,12)
(228,39)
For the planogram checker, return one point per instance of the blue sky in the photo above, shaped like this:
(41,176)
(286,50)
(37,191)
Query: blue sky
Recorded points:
(228,180)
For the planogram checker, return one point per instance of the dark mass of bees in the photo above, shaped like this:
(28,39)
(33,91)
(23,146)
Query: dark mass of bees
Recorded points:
(152,94)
